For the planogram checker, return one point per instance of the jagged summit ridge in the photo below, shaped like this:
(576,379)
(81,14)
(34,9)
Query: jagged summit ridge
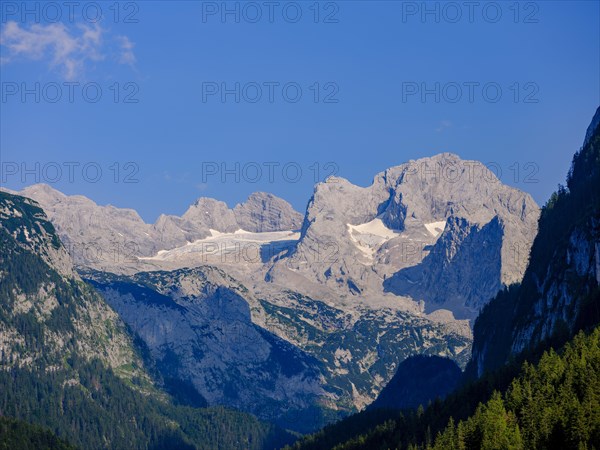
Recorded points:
(101,235)
(430,216)
(410,200)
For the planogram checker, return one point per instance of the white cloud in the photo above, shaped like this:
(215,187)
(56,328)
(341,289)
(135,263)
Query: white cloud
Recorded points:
(127,56)
(66,50)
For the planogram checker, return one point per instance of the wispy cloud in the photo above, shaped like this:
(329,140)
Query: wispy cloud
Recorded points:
(444,124)
(127,56)
(66,50)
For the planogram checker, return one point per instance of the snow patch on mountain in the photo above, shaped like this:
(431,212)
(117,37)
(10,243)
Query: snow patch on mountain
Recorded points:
(368,237)
(436,228)
(221,244)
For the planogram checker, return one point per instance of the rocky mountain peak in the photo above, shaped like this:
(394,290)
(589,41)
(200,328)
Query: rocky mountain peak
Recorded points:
(211,214)
(395,222)
(264,212)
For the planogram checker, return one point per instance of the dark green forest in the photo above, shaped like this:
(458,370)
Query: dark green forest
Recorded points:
(17,434)
(103,412)
(554,404)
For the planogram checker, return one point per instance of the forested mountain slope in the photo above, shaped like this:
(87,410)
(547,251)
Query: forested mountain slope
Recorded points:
(68,362)
(554,404)
(560,291)
(16,434)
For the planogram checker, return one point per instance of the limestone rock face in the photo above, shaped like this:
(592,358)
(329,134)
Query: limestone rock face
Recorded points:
(105,236)
(461,272)
(264,212)
(362,238)
(560,292)
(211,213)
(94,234)
(197,325)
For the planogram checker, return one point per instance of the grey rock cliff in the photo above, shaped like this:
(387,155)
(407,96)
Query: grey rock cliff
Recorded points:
(560,291)
(264,212)
(562,288)
(464,253)
(358,237)
(197,325)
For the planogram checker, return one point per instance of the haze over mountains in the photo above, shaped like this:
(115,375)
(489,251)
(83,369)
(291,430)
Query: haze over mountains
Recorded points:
(369,276)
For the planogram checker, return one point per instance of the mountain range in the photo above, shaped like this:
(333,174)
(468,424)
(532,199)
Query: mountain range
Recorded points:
(369,277)
(298,320)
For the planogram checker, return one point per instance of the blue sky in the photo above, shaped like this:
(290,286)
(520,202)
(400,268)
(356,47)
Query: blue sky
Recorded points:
(544,56)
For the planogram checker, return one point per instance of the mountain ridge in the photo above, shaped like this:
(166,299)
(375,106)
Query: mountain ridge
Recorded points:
(70,363)
(329,290)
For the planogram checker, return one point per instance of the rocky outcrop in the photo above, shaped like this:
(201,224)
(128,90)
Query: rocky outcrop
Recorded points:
(106,236)
(461,272)
(94,234)
(560,291)
(264,212)
(197,325)
(211,214)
